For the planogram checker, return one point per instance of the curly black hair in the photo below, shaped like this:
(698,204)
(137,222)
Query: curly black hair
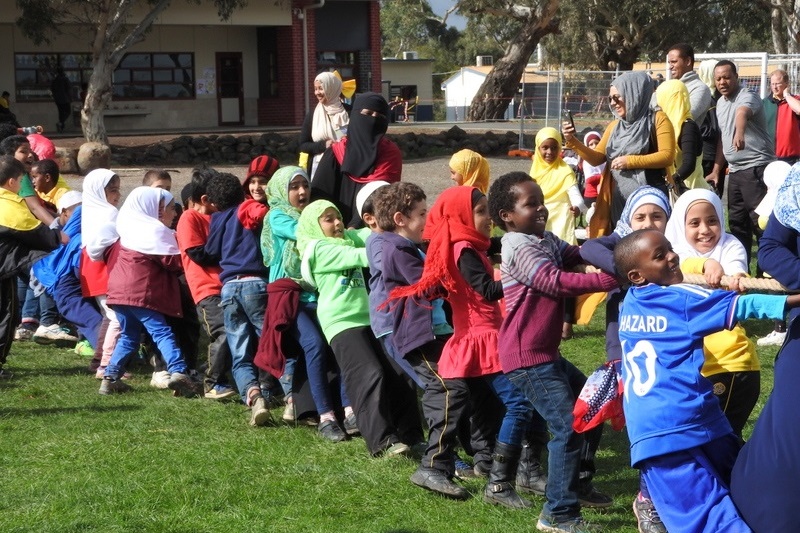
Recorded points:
(501,196)
(9,145)
(201,176)
(626,252)
(225,191)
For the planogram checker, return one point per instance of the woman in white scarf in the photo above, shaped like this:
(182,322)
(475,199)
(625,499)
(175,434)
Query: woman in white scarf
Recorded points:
(327,123)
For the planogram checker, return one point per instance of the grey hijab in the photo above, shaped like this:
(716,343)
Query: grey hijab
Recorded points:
(631,136)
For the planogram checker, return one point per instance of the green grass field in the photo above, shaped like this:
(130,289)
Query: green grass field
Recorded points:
(75,461)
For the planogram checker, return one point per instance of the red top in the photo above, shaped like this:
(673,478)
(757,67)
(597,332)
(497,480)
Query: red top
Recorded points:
(787,131)
(388,164)
(472,350)
(203,281)
(94,276)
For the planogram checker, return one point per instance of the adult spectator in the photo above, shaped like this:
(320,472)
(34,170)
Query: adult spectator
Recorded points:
(709,128)
(781,110)
(61,89)
(747,147)
(638,146)
(326,123)
(364,155)
(680,60)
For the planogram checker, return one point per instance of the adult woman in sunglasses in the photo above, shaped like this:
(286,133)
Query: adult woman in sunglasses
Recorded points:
(638,147)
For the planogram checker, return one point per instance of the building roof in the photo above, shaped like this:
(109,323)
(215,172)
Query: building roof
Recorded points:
(528,76)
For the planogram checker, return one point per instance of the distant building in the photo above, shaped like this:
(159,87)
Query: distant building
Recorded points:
(195,71)
(409,81)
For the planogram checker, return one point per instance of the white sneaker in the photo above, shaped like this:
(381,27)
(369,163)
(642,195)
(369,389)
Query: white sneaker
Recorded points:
(55,334)
(775,338)
(160,380)
(23,334)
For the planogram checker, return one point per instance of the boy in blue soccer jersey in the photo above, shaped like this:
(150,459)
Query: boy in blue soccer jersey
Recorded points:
(687,450)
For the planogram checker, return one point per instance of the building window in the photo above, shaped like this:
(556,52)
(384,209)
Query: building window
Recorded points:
(344,62)
(154,76)
(157,76)
(35,72)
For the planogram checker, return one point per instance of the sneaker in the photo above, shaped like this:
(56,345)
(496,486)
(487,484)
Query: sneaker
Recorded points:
(330,430)
(351,426)
(84,348)
(54,335)
(482,469)
(464,470)
(438,482)
(288,413)
(220,392)
(398,448)
(113,386)
(775,338)
(100,373)
(260,415)
(160,380)
(183,385)
(23,333)
(647,516)
(589,497)
(570,525)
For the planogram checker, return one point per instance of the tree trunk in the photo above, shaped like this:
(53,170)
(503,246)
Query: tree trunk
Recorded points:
(502,83)
(778,31)
(97,98)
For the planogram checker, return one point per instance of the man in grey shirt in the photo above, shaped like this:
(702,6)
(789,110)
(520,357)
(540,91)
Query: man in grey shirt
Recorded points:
(747,147)
(680,60)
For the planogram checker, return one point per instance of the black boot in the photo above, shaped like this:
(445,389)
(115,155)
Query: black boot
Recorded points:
(500,488)
(531,478)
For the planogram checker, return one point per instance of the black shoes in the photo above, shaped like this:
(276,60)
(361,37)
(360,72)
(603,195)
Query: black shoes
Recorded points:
(436,481)
(330,430)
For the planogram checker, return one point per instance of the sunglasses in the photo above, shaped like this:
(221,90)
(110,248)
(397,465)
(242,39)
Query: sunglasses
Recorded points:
(617,99)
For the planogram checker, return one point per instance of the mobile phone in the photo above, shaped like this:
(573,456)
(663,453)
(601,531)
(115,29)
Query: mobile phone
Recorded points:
(567,114)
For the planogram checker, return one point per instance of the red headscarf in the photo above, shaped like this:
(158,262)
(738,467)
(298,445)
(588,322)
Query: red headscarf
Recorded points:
(449,221)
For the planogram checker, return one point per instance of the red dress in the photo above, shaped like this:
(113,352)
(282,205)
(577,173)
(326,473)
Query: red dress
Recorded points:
(472,350)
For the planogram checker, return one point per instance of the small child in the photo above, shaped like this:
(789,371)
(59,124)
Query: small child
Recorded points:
(471,169)
(535,283)
(591,174)
(19,147)
(289,193)
(244,287)
(101,195)
(696,233)
(47,181)
(202,276)
(143,287)
(561,197)
(23,240)
(254,207)
(332,260)
(685,454)
(458,229)
(59,274)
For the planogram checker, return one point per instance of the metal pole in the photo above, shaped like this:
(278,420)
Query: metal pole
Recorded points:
(522,113)
(547,101)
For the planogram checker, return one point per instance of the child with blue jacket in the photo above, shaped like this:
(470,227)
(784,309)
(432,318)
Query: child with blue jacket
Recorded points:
(687,452)
(244,288)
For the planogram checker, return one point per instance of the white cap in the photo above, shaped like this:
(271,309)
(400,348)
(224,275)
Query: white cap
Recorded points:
(69,199)
(366,192)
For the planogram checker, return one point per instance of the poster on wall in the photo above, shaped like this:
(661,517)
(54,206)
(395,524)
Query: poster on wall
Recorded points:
(207,84)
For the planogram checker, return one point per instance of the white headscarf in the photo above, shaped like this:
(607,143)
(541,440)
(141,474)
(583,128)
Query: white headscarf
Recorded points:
(99,218)
(329,118)
(729,252)
(139,226)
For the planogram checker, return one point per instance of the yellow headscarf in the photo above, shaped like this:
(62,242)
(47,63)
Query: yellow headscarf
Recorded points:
(673,99)
(474,167)
(556,177)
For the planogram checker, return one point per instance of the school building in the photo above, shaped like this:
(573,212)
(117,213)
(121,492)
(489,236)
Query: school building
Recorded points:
(193,70)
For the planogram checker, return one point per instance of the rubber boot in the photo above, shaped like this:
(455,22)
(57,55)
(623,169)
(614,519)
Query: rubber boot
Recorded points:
(500,488)
(531,478)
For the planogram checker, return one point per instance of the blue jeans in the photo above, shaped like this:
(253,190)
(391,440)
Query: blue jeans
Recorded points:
(546,386)
(518,409)
(131,321)
(38,310)
(244,303)
(308,334)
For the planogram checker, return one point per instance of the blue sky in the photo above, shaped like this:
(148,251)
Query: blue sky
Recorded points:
(440,6)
